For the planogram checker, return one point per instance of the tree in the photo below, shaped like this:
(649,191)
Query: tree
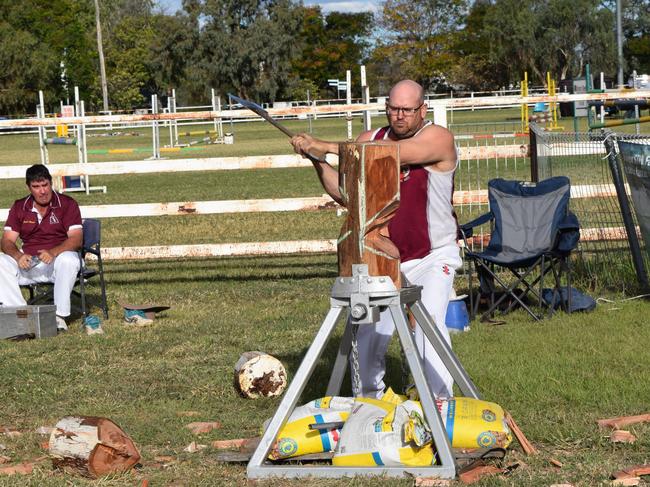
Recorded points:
(474,69)
(247,46)
(418,38)
(175,39)
(636,30)
(47,34)
(332,44)
(548,35)
(25,69)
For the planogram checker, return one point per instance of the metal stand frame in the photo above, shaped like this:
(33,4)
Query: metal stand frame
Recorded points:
(364,297)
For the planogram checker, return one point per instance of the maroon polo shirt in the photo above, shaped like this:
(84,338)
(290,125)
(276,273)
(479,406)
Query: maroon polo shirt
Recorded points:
(62,215)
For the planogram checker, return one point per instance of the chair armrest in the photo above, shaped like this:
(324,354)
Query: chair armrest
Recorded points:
(467,229)
(568,233)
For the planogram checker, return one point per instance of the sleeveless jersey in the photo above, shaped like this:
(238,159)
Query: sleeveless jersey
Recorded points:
(425,219)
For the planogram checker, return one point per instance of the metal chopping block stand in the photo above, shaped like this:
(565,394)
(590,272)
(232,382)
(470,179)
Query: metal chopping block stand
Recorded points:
(364,297)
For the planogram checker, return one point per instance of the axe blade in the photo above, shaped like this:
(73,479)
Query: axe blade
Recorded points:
(262,113)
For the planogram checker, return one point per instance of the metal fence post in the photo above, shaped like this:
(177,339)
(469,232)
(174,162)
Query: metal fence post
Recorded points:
(532,147)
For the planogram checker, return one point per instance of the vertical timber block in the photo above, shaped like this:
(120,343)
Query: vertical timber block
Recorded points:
(369,186)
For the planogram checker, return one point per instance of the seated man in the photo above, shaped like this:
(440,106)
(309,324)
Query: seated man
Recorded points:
(49,226)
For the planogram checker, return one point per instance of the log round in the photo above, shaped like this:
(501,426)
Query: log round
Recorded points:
(369,184)
(91,446)
(258,374)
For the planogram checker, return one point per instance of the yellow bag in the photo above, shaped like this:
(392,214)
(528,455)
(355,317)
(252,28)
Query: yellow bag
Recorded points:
(472,423)
(295,438)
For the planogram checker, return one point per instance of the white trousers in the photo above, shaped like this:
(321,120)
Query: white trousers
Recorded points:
(435,273)
(62,272)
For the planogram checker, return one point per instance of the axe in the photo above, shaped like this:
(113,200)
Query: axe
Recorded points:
(265,115)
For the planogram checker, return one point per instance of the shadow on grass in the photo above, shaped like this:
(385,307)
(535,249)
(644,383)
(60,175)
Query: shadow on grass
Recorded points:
(268,262)
(225,278)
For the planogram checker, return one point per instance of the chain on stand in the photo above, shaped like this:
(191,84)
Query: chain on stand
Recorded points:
(356,378)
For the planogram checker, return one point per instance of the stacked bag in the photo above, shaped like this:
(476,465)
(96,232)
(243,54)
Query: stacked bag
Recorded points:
(387,432)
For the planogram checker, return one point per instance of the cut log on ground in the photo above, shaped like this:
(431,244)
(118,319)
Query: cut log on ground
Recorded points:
(91,446)
(258,374)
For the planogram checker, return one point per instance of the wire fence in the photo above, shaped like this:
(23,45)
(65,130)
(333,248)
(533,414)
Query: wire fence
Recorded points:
(606,256)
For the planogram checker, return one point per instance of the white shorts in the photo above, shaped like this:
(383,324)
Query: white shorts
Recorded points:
(62,272)
(435,273)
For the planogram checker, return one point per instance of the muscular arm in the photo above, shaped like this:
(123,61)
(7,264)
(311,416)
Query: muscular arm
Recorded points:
(9,247)
(434,146)
(329,177)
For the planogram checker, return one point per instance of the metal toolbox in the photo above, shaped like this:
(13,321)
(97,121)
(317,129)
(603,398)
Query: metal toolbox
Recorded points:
(36,321)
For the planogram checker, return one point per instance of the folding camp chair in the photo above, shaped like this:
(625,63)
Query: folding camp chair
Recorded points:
(40,292)
(533,233)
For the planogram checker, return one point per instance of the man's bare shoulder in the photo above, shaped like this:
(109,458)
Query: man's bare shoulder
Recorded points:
(365,136)
(437,132)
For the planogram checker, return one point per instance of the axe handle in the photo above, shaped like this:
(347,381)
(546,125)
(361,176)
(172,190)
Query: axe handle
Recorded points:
(276,124)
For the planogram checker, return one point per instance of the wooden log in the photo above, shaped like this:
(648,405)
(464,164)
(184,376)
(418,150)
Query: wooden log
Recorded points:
(91,446)
(259,374)
(369,185)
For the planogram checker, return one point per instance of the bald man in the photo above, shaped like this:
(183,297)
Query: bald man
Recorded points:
(424,229)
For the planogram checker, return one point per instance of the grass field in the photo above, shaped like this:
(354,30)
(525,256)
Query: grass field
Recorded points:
(556,377)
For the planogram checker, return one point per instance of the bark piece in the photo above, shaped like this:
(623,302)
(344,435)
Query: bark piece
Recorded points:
(627,481)
(194,447)
(245,445)
(527,446)
(632,471)
(91,446)
(228,444)
(369,183)
(477,472)
(10,432)
(21,469)
(431,482)
(203,427)
(621,421)
(622,436)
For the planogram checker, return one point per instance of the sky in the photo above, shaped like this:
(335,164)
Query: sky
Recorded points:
(170,6)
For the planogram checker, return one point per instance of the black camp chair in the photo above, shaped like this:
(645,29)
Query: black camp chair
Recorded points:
(533,233)
(41,292)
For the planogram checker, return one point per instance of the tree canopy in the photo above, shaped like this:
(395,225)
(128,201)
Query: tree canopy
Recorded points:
(269,50)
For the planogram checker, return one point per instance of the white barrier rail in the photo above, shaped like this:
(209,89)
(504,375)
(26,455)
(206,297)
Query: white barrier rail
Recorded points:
(323,109)
(228,163)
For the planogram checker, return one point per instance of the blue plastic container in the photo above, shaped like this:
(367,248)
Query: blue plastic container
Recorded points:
(72,182)
(457,319)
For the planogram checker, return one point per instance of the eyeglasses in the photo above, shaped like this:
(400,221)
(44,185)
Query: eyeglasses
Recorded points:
(407,112)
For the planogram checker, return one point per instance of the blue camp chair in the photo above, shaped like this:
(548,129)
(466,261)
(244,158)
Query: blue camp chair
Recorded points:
(533,233)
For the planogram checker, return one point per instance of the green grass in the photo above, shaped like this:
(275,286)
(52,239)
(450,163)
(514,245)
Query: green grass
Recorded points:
(556,377)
